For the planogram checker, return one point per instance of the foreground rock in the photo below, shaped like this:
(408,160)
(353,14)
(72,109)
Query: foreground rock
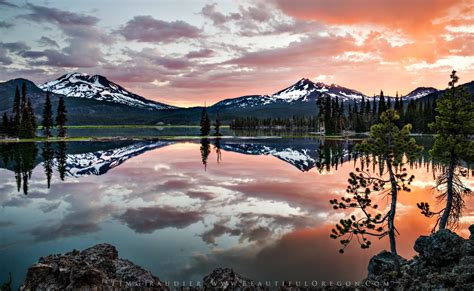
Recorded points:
(226,279)
(97,267)
(445,260)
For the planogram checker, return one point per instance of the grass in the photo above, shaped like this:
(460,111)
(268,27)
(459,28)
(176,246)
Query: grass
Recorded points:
(132,126)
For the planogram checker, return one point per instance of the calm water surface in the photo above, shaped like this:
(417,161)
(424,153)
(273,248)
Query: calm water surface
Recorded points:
(181,209)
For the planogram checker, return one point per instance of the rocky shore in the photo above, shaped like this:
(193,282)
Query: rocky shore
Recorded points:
(444,261)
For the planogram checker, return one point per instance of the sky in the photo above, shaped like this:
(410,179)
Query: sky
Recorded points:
(188,53)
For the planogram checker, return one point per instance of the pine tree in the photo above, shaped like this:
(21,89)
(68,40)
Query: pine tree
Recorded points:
(217,125)
(61,159)
(5,127)
(453,128)
(16,113)
(47,121)
(48,158)
(389,147)
(61,118)
(382,106)
(205,123)
(28,120)
(205,151)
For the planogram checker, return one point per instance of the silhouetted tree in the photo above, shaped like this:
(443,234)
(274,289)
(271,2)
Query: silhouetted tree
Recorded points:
(16,113)
(47,121)
(61,159)
(48,158)
(205,122)
(205,151)
(5,126)
(217,125)
(453,128)
(389,147)
(217,147)
(61,118)
(28,119)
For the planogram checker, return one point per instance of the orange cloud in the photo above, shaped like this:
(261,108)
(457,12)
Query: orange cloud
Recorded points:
(412,16)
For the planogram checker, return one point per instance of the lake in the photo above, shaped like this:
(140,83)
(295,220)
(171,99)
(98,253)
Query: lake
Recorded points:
(182,208)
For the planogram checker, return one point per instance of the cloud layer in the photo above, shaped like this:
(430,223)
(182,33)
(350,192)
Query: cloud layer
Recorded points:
(223,50)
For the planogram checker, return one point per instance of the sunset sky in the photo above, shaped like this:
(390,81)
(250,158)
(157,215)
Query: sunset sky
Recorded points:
(186,53)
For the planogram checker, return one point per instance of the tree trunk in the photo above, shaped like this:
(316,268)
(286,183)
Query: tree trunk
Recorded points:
(393,209)
(449,195)
(391,216)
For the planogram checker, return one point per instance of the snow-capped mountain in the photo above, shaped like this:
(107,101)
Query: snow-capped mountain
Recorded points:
(100,162)
(302,155)
(420,92)
(302,91)
(99,88)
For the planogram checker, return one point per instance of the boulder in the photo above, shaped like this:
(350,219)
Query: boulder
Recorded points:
(227,279)
(383,263)
(98,267)
(441,248)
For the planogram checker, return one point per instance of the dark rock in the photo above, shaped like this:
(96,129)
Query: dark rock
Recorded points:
(441,248)
(227,279)
(471,230)
(383,263)
(94,268)
(445,261)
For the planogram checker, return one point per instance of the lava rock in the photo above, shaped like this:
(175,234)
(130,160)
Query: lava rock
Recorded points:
(441,248)
(383,263)
(98,267)
(227,279)
(445,261)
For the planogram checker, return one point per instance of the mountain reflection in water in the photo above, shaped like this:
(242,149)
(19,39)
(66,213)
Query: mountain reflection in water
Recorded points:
(180,209)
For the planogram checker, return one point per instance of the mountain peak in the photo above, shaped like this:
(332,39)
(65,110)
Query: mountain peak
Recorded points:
(420,92)
(98,87)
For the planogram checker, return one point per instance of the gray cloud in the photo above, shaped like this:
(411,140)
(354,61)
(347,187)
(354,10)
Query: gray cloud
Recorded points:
(217,230)
(83,37)
(149,219)
(7,4)
(217,17)
(202,53)
(149,29)
(259,19)
(46,41)
(4,24)
(57,16)
(74,223)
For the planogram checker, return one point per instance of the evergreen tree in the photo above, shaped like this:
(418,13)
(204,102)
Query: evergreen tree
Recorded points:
(61,159)
(23,95)
(205,123)
(47,121)
(28,120)
(16,113)
(217,125)
(389,147)
(48,157)
(453,128)
(382,106)
(61,118)
(205,151)
(5,126)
